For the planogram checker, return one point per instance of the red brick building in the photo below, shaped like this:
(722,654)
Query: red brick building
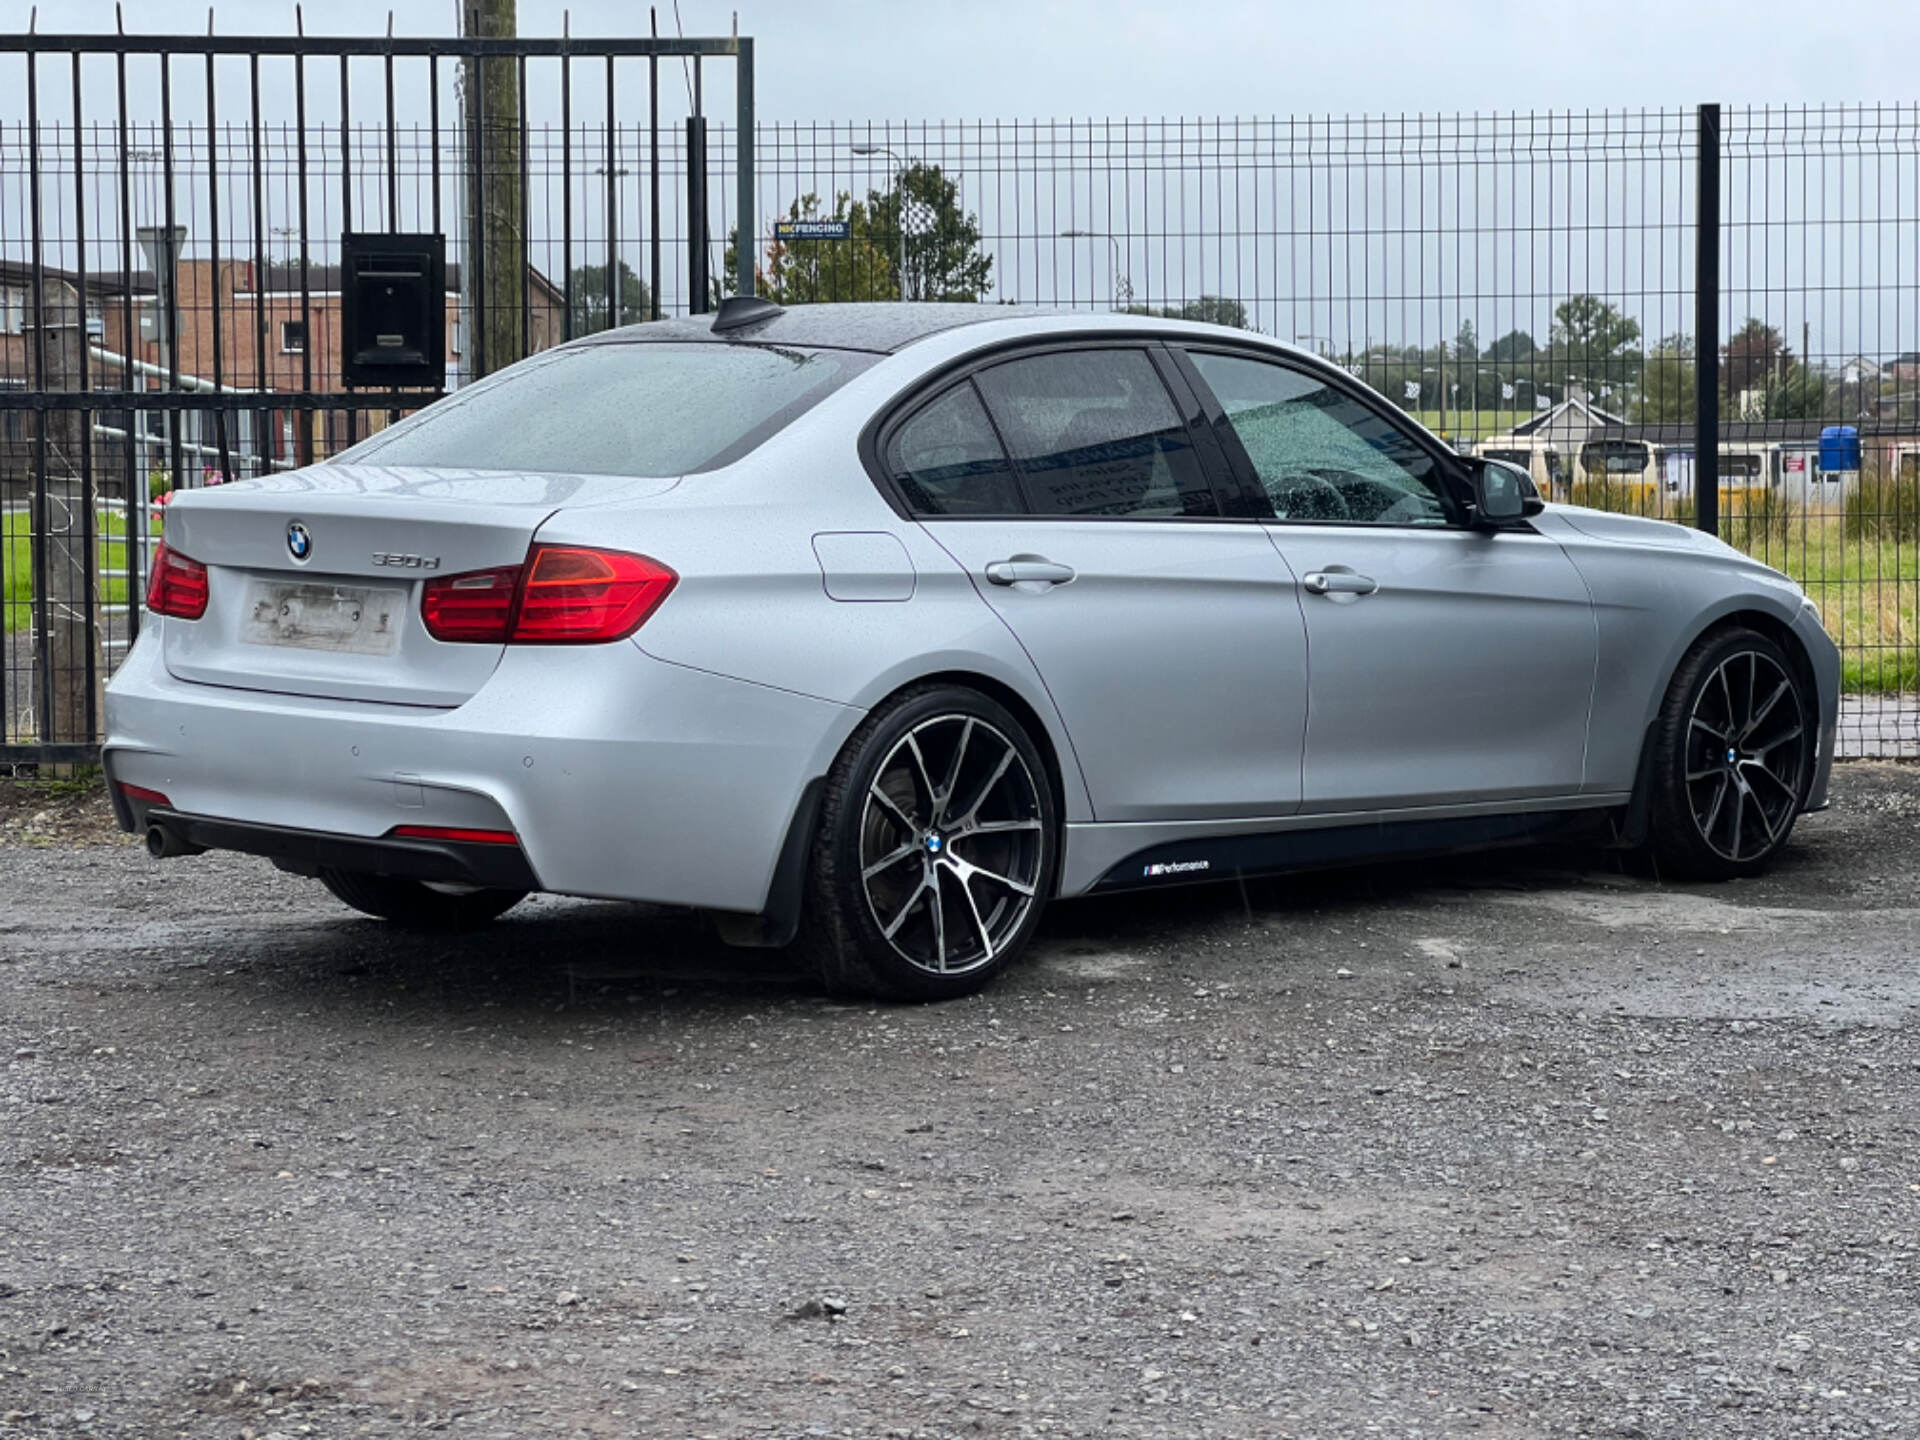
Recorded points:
(301,352)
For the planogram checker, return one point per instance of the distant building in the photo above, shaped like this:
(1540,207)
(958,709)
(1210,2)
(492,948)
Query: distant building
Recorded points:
(124,333)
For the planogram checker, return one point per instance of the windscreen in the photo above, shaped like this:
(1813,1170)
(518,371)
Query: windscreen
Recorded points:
(619,409)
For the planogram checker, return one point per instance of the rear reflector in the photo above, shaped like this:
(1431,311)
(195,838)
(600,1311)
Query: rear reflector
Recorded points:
(575,596)
(563,595)
(178,586)
(477,606)
(455,833)
(143,795)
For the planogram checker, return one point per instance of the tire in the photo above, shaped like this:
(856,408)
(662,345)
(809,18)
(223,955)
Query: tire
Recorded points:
(416,904)
(1733,755)
(938,844)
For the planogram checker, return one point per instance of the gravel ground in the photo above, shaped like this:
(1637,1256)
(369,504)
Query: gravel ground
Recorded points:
(1500,1146)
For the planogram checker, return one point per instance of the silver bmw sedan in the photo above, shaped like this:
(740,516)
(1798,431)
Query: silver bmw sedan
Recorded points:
(868,629)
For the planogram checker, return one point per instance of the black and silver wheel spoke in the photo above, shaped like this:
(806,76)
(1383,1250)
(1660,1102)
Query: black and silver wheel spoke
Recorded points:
(891,858)
(980,925)
(977,829)
(1759,771)
(892,927)
(892,807)
(944,798)
(986,790)
(1745,755)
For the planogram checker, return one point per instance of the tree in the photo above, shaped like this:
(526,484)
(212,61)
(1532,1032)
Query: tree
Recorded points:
(1511,347)
(1216,310)
(632,302)
(1754,354)
(1668,385)
(1208,309)
(1592,344)
(1466,343)
(1799,393)
(943,255)
(808,272)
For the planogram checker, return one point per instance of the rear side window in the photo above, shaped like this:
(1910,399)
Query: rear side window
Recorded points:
(619,409)
(947,460)
(1094,432)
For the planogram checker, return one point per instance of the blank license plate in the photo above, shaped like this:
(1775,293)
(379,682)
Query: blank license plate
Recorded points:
(350,619)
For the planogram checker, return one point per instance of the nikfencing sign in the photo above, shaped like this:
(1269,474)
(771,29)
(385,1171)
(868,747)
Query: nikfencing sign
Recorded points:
(812,229)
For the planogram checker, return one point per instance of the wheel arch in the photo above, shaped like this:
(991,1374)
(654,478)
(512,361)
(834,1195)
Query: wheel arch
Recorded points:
(1737,617)
(1021,709)
(780,921)
(1735,612)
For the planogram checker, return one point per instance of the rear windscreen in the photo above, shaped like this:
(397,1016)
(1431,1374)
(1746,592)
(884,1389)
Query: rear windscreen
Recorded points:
(619,409)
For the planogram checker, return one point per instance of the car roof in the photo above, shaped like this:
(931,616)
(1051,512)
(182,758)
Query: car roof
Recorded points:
(882,328)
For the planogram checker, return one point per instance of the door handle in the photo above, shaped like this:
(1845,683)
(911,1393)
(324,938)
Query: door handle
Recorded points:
(1339,582)
(1028,569)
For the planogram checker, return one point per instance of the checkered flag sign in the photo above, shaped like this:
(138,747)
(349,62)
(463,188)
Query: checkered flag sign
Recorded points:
(1412,388)
(1506,391)
(918,217)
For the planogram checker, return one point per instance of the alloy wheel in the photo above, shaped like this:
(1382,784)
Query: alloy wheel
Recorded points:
(952,844)
(1746,755)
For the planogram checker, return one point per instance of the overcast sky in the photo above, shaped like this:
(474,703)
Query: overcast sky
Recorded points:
(840,59)
(1403,245)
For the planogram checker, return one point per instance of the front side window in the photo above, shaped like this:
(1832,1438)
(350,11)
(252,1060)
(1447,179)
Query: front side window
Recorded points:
(1094,432)
(653,409)
(947,460)
(1320,454)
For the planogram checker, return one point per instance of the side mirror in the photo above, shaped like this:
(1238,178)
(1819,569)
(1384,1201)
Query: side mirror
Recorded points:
(1503,494)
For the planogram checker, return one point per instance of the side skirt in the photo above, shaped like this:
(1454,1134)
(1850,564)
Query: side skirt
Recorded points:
(1223,857)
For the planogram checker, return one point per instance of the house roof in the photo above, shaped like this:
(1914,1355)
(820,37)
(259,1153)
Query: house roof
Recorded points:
(1573,404)
(281,276)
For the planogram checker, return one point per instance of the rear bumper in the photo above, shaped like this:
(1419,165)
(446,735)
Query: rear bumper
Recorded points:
(624,777)
(495,867)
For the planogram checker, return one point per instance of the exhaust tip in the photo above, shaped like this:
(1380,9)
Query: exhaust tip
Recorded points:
(163,844)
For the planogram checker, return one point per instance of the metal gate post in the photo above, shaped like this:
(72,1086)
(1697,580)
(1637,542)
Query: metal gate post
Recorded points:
(1706,326)
(747,236)
(697,288)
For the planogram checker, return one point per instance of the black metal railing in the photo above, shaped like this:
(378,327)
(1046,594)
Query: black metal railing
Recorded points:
(1575,291)
(174,222)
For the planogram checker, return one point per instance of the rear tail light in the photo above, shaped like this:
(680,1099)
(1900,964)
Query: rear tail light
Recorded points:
(178,586)
(141,795)
(563,595)
(576,596)
(474,606)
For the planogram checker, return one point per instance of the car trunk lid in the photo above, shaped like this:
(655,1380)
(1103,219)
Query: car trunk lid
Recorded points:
(315,576)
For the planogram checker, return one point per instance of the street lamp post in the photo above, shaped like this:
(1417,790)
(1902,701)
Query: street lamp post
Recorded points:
(613,239)
(1122,283)
(899,201)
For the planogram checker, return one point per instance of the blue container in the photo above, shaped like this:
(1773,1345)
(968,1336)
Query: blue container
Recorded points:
(1839,448)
